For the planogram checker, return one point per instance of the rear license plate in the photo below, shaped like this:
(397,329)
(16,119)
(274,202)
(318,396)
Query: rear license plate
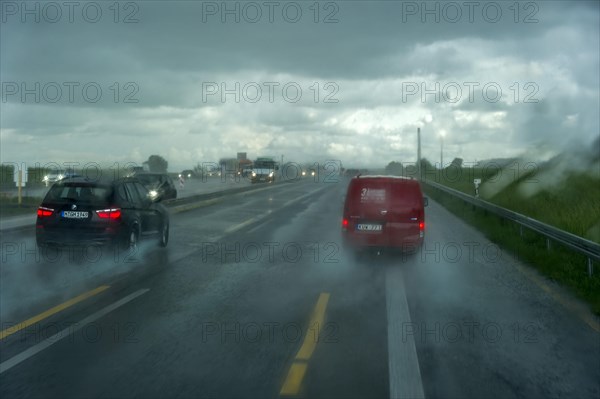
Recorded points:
(74,214)
(369,227)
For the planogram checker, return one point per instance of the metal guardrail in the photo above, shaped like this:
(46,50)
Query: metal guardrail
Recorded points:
(576,243)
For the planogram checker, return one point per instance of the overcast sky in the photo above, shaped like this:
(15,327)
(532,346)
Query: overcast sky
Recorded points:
(346,80)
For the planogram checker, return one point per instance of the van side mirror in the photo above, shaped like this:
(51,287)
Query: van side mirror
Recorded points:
(425,201)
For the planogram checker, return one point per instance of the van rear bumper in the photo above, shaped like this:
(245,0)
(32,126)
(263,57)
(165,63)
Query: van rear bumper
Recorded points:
(355,240)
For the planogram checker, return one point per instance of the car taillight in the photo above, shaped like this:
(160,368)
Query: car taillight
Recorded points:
(344,223)
(421,226)
(43,212)
(113,213)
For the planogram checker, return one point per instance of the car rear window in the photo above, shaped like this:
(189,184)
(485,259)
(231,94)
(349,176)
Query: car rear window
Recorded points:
(81,193)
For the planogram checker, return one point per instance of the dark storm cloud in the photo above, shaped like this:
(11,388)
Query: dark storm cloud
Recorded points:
(374,53)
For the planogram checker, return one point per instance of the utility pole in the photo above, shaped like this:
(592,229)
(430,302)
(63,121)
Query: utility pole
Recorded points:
(19,188)
(442,152)
(419,153)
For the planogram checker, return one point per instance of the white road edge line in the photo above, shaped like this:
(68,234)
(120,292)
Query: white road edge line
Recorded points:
(403,363)
(15,360)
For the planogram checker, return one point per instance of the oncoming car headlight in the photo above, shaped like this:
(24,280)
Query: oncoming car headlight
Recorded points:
(153,193)
(253,174)
(271,174)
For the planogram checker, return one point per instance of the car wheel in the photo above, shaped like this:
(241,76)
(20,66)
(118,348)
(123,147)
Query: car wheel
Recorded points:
(164,235)
(132,239)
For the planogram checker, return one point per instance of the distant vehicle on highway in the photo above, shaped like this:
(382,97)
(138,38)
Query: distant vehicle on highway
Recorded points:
(308,172)
(263,170)
(69,175)
(245,171)
(188,174)
(52,176)
(82,211)
(383,211)
(55,175)
(159,185)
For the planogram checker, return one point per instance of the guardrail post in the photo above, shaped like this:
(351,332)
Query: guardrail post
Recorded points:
(521,230)
(590,267)
(548,244)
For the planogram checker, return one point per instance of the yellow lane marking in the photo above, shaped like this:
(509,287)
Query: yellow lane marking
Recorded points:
(294,378)
(583,314)
(194,205)
(11,330)
(316,322)
(291,386)
(570,304)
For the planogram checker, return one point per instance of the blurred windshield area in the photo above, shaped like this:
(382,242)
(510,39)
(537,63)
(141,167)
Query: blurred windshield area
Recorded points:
(319,199)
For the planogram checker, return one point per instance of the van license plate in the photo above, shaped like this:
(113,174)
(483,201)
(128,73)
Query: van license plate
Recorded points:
(74,215)
(369,227)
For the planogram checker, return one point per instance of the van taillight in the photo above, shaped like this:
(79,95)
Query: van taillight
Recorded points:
(344,223)
(421,226)
(44,212)
(113,214)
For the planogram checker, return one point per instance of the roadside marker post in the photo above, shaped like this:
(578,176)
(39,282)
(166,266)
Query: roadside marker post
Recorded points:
(20,180)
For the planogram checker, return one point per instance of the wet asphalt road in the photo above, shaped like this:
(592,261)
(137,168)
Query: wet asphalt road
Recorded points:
(255,297)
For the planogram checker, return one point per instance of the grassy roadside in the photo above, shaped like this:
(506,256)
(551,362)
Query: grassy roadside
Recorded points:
(571,203)
(559,264)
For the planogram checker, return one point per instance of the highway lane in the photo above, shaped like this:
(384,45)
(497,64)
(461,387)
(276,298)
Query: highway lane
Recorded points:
(485,325)
(255,296)
(37,277)
(190,188)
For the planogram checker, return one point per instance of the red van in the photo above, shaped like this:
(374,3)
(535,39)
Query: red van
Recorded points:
(384,211)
